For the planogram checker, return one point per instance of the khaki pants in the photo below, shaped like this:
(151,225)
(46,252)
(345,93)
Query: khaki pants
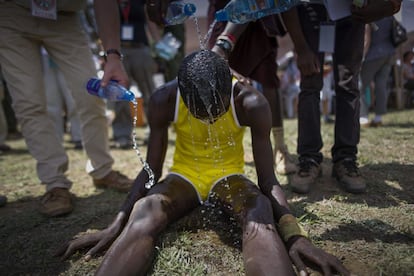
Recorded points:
(22,35)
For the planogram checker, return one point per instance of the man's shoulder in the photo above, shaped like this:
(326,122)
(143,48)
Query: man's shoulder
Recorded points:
(165,94)
(250,103)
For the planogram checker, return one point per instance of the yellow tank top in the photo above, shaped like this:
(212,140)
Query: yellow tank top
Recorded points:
(206,153)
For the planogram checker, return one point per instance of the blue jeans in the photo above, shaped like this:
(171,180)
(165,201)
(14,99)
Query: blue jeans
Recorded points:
(377,70)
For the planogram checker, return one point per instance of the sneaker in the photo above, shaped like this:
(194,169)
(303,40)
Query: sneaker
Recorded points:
(309,170)
(347,173)
(375,123)
(5,148)
(14,135)
(284,164)
(114,180)
(56,202)
(123,143)
(328,120)
(3,200)
(364,122)
(77,145)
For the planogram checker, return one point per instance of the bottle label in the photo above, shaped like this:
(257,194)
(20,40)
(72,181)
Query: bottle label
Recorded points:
(262,4)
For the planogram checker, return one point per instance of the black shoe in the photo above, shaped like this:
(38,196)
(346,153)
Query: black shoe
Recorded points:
(77,145)
(328,120)
(347,173)
(5,148)
(3,200)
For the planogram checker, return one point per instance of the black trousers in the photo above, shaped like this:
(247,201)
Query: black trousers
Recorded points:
(347,58)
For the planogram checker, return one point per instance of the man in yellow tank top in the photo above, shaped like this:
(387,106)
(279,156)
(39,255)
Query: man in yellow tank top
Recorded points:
(209,115)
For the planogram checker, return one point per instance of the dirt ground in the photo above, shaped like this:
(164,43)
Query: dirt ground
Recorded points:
(371,233)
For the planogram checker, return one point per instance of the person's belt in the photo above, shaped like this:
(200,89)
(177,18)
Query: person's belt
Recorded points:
(132,44)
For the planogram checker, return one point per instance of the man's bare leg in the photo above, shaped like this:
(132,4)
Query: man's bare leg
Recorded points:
(264,253)
(283,161)
(133,251)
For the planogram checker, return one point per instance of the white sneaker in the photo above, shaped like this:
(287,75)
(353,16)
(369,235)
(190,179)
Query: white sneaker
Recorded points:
(284,164)
(363,121)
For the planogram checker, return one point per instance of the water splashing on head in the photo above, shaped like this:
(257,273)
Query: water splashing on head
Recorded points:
(204,80)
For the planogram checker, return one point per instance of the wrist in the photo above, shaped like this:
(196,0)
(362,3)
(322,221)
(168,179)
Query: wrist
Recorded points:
(396,5)
(231,38)
(225,45)
(289,227)
(113,53)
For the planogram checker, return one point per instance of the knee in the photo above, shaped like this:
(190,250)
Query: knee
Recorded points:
(259,213)
(311,84)
(147,216)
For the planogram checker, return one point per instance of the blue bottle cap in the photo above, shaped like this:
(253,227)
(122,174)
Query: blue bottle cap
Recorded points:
(189,9)
(93,85)
(128,96)
(221,15)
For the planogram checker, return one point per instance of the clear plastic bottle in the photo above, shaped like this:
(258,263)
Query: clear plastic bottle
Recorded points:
(168,46)
(243,11)
(178,12)
(112,91)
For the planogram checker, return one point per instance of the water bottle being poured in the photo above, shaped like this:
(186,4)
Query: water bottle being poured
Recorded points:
(113,91)
(243,11)
(178,12)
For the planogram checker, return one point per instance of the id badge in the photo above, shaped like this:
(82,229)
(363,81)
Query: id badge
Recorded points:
(127,32)
(327,37)
(44,9)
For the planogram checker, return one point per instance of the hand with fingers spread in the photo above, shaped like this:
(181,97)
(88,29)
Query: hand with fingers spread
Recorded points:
(302,252)
(100,240)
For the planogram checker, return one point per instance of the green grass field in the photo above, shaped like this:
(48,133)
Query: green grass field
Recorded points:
(371,233)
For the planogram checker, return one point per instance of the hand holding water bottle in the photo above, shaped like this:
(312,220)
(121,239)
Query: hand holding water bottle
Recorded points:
(165,12)
(113,91)
(114,68)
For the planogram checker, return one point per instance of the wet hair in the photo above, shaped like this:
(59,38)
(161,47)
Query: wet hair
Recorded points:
(204,80)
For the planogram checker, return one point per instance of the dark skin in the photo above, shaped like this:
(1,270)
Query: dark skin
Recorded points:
(145,213)
(309,62)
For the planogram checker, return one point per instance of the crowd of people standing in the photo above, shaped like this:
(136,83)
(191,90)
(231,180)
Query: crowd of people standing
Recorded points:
(122,30)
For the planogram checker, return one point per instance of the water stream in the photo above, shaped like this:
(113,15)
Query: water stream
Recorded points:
(145,165)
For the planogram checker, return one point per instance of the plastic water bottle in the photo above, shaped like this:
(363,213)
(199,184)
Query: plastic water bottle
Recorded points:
(112,91)
(178,12)
(243,11)
(168,46)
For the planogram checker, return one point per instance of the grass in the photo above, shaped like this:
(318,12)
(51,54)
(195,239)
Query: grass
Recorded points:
(371,233)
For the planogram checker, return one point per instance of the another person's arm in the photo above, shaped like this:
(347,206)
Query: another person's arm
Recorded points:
(156,10)
(307,61)
(230,35)
(107,19)
(159,121)
(367,38)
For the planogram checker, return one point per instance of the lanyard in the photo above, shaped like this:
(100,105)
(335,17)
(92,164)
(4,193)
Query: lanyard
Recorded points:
(126,8)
